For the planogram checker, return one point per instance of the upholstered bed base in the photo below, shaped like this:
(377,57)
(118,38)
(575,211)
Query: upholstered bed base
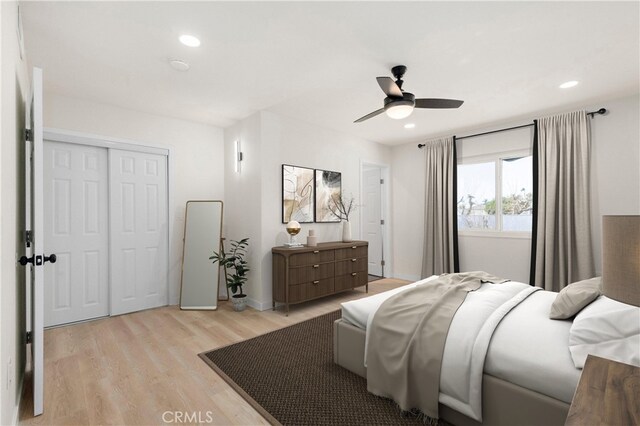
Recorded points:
(503,403)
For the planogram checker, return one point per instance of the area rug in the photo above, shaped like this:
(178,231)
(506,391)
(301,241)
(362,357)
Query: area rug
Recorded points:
(289,377)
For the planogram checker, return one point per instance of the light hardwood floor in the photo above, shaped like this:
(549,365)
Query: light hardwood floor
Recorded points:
(131,369)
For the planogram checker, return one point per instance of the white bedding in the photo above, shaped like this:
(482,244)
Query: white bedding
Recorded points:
(511,354)
(532,351)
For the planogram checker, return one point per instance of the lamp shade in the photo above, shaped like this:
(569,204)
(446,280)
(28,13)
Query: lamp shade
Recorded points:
(621,258)
(399,110)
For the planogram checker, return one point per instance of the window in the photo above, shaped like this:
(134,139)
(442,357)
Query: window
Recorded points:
(496,195)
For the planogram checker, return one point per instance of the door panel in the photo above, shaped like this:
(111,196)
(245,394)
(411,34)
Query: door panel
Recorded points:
(34,220)
(77,230)
(139,225)
(372,215)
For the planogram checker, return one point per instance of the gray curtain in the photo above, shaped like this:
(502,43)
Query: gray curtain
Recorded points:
(561,240)
(440,216)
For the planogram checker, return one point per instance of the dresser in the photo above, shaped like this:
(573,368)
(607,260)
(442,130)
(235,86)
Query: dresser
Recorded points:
(307,273)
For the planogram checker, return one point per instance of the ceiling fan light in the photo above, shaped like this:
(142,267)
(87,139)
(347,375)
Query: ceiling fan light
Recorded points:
(398,112)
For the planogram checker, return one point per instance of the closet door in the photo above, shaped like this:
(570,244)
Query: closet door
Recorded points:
(139,230)
(76,230)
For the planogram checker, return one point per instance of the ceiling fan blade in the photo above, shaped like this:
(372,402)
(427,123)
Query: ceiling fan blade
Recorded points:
(438,103)
(389,87)
(370,115)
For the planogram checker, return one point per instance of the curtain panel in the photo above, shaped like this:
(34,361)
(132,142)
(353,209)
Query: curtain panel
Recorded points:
(561,237)
(440,252)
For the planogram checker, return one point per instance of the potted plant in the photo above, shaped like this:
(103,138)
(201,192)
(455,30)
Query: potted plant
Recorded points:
(341,208)
(235,263)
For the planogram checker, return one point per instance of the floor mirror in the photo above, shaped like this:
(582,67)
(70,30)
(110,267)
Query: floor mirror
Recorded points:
(202,236)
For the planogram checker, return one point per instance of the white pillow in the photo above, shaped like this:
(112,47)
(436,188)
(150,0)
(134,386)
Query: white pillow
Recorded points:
(606,328)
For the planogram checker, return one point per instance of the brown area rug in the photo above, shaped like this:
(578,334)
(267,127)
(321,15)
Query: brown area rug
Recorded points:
(288,375)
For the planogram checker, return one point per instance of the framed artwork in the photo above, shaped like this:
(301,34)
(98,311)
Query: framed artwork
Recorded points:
(297,194)
(328,185)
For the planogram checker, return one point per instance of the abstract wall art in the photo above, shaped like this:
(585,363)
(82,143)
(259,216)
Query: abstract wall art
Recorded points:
(328,186)
(297,194)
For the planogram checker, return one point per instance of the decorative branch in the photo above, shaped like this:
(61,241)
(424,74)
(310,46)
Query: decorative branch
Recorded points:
(340,207)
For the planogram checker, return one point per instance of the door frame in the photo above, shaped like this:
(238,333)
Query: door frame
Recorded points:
(87,139)
(385,198)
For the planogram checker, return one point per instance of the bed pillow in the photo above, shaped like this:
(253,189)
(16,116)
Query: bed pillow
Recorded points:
(574,297)
(608,329)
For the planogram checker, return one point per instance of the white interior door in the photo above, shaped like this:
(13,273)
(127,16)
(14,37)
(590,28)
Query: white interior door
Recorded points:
(77,230)
(138,215)
(372,217)
(35,257)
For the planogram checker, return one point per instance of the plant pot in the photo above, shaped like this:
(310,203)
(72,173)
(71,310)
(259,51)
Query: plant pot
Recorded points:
(346,231)
(239,302)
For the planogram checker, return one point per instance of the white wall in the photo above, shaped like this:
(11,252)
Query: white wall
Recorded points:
(615,162)
(243,196)
(196,164)
(278,140)
(615,189)
(15,89)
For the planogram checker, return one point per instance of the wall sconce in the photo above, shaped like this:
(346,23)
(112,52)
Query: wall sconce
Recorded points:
(238,156)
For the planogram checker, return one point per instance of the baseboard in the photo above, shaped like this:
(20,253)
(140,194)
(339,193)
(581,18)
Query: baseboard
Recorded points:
(407,277)
(259,306)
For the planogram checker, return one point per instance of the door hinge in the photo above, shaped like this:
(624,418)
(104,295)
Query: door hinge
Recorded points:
(28,237)
(28,135)
(381,221)
(29,336)
(381,181)
(382,263)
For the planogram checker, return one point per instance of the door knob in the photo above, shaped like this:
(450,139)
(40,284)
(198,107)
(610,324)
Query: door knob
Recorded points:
(37,260)
(24,260)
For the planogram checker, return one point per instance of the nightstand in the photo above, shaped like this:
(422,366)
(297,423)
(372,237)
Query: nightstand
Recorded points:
(607,394)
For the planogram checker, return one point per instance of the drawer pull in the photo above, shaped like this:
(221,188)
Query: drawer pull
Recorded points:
(316,251)
(353,260)
(316,266)
(354,247)
(353,274)
(316,281)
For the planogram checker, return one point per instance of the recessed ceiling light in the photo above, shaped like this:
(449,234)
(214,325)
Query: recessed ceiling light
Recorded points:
(568,84)
(179,65)
(189,40)
(409,126)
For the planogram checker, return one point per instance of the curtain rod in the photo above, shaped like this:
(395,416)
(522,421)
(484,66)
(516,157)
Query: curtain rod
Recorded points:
(601,111)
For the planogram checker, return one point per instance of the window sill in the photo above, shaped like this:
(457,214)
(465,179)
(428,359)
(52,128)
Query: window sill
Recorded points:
(495,234)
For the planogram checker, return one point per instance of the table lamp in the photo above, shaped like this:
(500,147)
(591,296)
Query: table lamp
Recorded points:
(293,229)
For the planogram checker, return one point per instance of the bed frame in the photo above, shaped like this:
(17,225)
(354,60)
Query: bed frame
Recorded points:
(503,403)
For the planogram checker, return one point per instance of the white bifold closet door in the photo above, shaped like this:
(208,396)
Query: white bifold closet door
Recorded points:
(76,229)
(139,232)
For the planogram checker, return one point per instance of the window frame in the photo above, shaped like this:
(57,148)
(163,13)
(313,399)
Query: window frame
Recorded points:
(496,158)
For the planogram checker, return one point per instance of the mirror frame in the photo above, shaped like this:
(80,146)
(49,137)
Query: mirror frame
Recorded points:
(184,243)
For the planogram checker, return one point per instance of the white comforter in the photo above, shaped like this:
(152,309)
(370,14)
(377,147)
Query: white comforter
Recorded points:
(467,342)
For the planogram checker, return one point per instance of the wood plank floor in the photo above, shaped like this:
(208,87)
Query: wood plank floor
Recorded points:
(132,369)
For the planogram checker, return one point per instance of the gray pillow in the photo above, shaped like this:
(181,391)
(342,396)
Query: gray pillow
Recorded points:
(574,297)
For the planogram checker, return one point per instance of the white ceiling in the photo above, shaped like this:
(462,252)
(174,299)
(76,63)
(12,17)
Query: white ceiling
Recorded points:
(317,62)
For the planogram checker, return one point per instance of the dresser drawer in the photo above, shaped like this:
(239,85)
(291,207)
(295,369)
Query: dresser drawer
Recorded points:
(351,252)
(312,258)
(357,264)
(303,274)
(311,290)
(352,280)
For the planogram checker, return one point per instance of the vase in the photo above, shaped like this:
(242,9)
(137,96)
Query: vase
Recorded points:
(239,302)
(346,231)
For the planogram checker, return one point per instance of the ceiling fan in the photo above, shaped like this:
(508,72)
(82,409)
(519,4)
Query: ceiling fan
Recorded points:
(400,104)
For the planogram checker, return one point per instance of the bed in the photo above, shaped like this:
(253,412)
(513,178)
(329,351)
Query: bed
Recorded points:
(514,389)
